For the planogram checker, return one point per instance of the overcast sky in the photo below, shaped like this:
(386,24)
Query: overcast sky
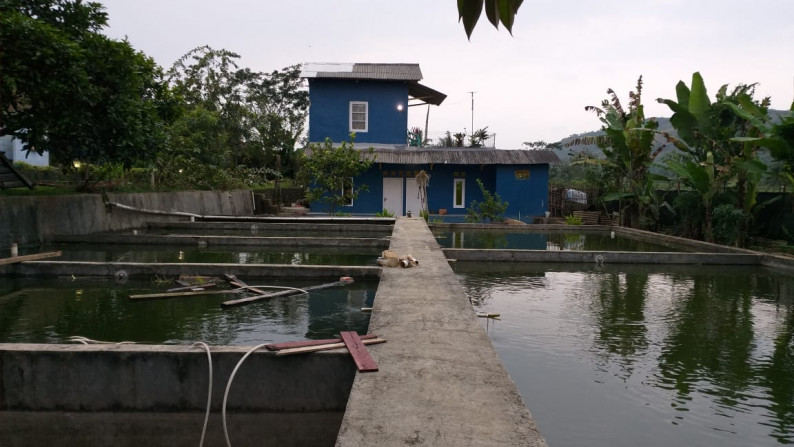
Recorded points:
(563,54)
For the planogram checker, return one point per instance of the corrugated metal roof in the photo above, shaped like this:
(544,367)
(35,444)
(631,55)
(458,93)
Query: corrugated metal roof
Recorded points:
(462,156)
(388,72)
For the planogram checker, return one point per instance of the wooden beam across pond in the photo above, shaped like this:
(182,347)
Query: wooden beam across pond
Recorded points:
(252,299)
(166,295)
(33,257)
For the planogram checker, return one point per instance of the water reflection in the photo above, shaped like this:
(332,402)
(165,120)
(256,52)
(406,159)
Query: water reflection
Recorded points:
(500,239)
(216,254)
(50,311)
(697,356)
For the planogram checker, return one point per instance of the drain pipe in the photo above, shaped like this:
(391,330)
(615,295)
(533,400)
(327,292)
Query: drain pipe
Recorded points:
(192,216)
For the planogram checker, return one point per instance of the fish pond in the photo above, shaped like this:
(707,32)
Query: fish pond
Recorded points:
(52,310)
(523,240)
(652,356)
(214,254)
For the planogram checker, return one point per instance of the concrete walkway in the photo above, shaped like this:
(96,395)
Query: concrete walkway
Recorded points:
(440,382)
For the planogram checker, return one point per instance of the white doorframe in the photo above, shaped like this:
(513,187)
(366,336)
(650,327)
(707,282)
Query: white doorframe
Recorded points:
(393,195)
(412,201)
(459,193)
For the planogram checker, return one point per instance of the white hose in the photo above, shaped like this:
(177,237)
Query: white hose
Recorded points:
(209,389)
(228,387)
(88,341)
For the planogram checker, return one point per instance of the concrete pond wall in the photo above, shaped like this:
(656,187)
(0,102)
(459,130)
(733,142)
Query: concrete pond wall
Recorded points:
(133,395)
(31,220)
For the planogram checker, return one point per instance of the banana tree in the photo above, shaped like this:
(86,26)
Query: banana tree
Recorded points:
(702,178)
(721,135)
(628,145)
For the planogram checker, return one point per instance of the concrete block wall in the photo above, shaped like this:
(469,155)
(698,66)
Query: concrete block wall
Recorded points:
(126,393)
(31,220)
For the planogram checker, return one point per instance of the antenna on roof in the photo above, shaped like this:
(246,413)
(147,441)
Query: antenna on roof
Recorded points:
(472,111)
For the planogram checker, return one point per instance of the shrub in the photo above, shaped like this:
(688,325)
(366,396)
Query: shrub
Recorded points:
(492,208)
(573,220)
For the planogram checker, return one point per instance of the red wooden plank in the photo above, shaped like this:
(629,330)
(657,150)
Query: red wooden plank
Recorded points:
(361,356)
(301,344)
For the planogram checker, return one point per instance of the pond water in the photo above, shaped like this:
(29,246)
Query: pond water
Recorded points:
(261,233)
(51,310)
(214,254)
(500,239)
(645,356)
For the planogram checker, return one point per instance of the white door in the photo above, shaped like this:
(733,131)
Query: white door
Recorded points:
(393,195)
(412,201)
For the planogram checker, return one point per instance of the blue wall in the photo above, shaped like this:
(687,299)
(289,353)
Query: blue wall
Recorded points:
(525,197)
(330,110)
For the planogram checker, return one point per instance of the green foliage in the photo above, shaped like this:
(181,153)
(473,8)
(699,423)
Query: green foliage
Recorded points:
(425,215)
(497,11)
(720,144)
(384,213)
(728,224)
(327,172)
(628,147)
(573,220)
(70,90)
(255,119)
(478,137)
(491,209)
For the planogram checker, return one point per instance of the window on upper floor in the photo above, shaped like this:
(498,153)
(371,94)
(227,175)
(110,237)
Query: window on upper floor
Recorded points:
(359,116)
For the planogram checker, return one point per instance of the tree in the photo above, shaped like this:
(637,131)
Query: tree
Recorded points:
(260,116)
(540,145)
(719,143)
(328,172)
(628,145)
(67,89)
(211,80)
(278,106)
(497,11)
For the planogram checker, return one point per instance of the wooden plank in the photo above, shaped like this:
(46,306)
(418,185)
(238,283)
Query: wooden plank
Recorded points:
(358,351)
(34,257)
(304,343)
(166,295)
(268,296)
(240,283)
(192,287)
(307,349)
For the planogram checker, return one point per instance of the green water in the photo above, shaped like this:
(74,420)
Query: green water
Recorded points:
(493,239)
(640,356)
(213,254)
(50,311)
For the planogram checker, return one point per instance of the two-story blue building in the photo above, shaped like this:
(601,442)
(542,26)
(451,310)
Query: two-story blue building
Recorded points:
(371,100)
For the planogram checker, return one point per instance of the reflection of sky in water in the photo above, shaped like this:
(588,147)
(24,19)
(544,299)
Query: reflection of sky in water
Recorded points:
(696,356)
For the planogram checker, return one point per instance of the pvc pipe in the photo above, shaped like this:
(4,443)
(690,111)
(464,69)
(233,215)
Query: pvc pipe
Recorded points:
(14,250)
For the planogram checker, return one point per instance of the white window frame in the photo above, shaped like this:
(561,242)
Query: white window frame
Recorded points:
(366,116)
(462,181)
(350,202)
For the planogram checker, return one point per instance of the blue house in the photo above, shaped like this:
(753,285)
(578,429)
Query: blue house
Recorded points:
(371,100)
